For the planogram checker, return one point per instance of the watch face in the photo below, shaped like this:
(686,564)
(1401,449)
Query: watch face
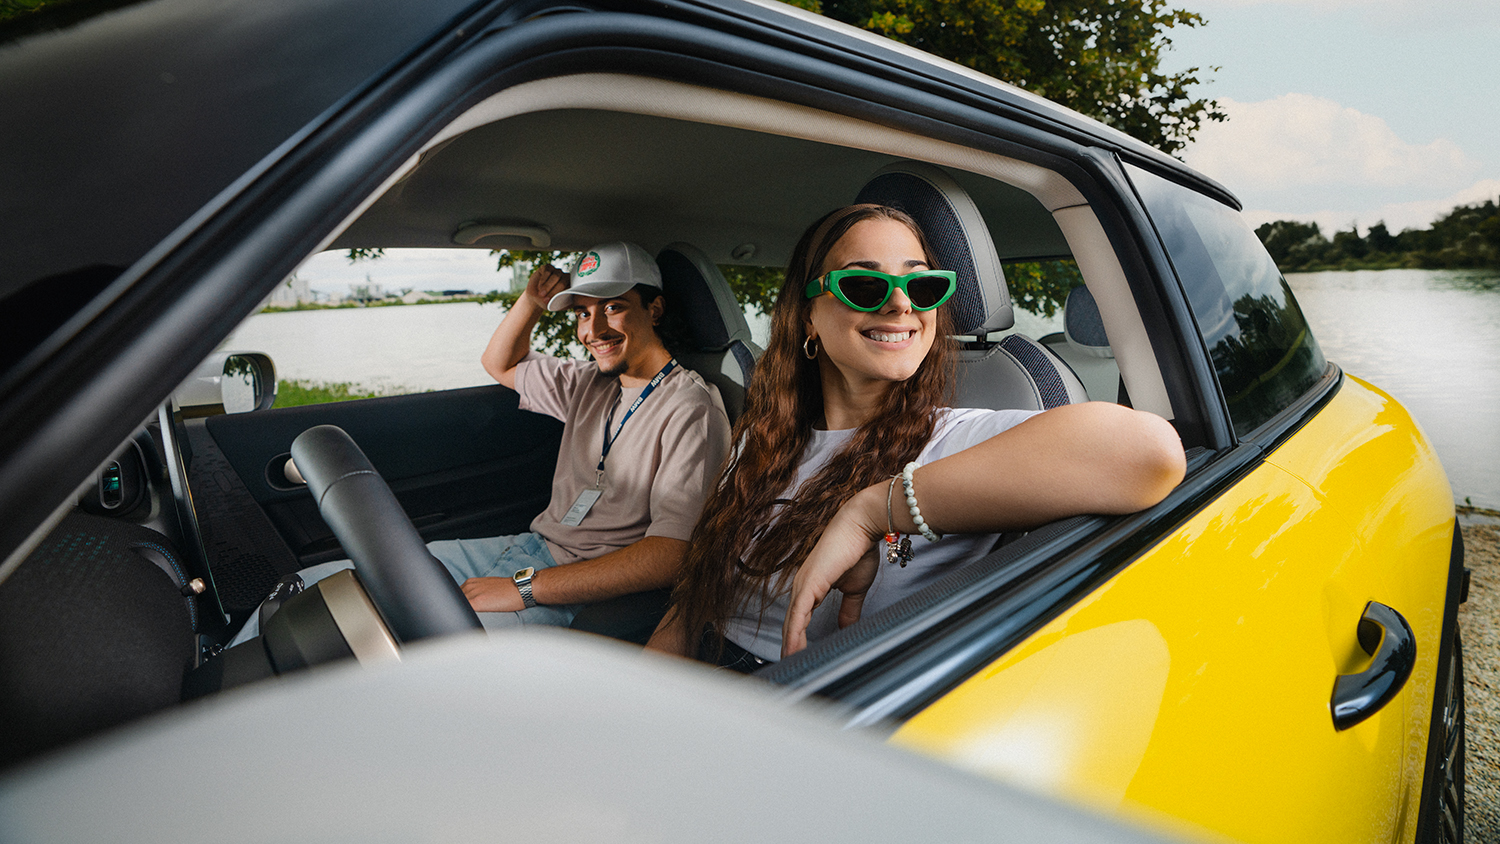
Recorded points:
(524,574)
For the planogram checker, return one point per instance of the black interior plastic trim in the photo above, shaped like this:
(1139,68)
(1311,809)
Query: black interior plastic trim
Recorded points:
(463,463)
(244,663)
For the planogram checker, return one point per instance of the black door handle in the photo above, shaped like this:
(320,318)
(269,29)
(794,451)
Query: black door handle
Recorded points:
(1385,635)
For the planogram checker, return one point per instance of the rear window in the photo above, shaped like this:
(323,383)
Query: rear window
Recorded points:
(1262,349)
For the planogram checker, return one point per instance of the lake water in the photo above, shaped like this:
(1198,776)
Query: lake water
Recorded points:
(1429,338)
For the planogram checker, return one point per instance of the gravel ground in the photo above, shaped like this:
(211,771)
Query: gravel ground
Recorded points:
(1480,623)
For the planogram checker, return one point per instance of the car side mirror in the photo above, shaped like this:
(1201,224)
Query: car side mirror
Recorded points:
(228,382)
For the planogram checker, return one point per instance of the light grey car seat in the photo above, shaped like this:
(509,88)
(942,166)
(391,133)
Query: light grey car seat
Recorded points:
(720,338)
(1013,372)
(1084,346)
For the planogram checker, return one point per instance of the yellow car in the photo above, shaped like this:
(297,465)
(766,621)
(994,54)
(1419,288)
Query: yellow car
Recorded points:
(1271,654)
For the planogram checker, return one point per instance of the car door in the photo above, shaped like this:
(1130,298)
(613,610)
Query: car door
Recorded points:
(463,463)
(1197,682)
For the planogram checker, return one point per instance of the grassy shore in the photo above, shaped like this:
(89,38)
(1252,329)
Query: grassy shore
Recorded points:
(296,392)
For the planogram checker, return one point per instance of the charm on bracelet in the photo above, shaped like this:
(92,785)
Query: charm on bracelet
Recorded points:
(897,547)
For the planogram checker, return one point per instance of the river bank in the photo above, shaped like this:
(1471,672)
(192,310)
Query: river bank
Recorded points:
(1479,621)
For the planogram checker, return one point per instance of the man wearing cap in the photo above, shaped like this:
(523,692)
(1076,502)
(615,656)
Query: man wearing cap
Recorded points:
(643,440)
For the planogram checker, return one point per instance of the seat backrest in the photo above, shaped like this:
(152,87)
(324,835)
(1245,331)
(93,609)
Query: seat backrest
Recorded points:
(1083,345)
(94,632)
(1013,372)
(721,350)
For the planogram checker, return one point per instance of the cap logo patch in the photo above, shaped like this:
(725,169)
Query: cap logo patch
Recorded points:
(588,264)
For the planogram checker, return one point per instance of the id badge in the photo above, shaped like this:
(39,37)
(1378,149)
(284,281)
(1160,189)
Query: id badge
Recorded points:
(581,507)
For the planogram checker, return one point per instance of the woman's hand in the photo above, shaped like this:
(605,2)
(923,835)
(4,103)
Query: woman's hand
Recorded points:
(844,559)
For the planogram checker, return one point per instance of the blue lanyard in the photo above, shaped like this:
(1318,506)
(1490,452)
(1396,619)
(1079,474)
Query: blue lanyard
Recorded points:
(610,441)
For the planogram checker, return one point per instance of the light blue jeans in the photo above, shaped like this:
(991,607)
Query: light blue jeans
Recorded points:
(495,556)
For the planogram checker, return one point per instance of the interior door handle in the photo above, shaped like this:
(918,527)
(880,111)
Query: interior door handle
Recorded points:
(1386,636)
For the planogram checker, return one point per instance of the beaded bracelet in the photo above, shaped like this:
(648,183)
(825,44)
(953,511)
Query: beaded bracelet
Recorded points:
(911,503)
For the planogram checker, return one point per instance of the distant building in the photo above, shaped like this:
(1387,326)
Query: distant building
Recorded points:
(369,291)
(290,293)
(519,272)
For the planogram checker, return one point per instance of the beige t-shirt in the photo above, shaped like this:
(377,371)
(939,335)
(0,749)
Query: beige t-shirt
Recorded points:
(659,470)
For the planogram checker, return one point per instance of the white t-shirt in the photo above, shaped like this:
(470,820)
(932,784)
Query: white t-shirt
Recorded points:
(957,429)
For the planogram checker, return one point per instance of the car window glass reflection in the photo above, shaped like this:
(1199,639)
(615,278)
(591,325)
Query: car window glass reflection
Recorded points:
(1262,349)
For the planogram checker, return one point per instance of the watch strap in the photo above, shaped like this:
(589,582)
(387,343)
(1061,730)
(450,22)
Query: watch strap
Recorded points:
(523,584)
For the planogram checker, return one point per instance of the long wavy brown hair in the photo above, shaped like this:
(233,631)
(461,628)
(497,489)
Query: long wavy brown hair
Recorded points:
(738,555)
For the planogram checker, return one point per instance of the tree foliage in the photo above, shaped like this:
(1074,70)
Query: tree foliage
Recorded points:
(1467,236)
(1099,58)
(1041,286)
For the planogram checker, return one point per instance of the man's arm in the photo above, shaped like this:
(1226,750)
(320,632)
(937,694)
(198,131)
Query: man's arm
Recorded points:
(512,339)
(650,563)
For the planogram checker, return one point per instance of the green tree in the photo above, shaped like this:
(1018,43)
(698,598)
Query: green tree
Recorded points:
(1380,238)
(1291,243)
(1041,286)
(1349,244)
(1101,59)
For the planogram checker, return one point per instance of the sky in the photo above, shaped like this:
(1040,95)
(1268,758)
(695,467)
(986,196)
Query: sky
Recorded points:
(1347,112)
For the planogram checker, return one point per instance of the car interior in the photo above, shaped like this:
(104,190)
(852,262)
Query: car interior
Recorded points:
(125,607)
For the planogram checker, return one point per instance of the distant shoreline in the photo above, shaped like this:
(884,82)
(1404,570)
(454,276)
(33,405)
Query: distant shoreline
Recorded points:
(1397,263)
(481,298)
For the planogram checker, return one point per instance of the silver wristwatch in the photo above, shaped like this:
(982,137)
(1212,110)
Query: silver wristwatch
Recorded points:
(523,583)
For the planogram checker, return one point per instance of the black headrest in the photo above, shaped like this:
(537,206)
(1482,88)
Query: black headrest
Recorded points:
(958,236)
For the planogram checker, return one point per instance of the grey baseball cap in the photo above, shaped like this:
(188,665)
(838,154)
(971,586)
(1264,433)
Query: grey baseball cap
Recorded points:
(607,271)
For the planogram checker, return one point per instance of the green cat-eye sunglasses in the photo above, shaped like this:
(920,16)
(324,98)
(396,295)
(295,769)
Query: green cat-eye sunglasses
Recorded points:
(869,290)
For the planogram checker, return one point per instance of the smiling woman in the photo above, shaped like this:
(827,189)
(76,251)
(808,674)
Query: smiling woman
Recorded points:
(822,431)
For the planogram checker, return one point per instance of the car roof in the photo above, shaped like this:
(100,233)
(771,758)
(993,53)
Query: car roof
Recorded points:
(123,125)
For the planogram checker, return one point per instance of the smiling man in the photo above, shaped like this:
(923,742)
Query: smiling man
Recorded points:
(643,439)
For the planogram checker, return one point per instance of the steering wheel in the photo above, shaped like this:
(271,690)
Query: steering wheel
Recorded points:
(415,595)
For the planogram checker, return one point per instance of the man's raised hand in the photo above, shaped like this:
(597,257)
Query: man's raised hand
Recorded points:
(545,282)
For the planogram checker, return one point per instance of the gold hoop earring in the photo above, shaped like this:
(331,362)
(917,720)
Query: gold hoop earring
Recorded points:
(810,348)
